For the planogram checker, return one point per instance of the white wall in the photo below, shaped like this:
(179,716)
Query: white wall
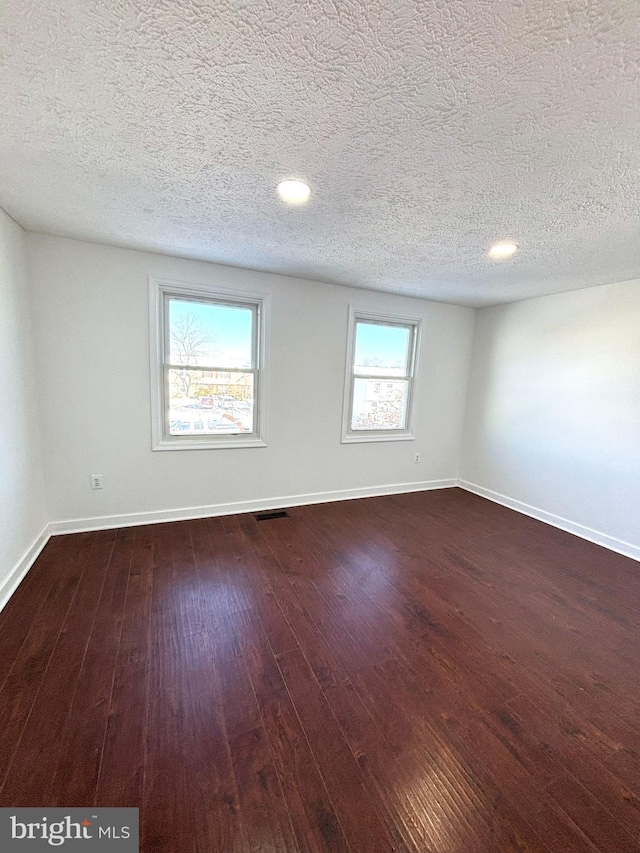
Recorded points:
(23,512)
(553,414)
(90,310)
(552,417)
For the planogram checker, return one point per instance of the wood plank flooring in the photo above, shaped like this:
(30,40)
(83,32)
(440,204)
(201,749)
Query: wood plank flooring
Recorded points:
(421,672)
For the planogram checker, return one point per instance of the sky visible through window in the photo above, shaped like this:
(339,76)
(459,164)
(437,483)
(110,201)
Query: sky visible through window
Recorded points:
(380,346)
(225,330)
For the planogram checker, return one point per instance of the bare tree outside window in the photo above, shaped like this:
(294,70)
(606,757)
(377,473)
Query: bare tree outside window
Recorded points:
(189,340)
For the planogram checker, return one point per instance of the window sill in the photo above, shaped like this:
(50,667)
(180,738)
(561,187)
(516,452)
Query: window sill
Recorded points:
(203,444)
(352,438)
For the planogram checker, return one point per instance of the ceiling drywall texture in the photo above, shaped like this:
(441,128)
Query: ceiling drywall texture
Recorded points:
(426,129)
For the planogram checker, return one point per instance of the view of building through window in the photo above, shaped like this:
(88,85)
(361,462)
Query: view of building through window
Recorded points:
(382,353)
(210,368)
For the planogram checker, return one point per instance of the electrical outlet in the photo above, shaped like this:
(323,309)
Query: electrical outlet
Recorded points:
(97,481)
(416,458)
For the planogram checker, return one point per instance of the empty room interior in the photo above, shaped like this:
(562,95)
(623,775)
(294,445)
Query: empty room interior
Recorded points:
(320,446)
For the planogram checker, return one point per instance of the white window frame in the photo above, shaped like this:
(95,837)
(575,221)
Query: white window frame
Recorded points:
(415,325)
(159,290)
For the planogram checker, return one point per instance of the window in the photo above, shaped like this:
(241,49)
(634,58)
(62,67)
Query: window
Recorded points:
(381,365)
(207,367)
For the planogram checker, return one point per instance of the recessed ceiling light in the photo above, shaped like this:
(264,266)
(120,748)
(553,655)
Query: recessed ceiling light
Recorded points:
(502,250)
(294,192)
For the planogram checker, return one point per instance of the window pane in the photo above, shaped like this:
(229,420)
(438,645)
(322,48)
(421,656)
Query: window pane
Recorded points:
(381,349)
(209,335)
(379,404)
(205,402)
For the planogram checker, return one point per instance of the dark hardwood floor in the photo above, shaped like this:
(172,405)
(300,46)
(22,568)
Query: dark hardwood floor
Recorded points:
(422,672)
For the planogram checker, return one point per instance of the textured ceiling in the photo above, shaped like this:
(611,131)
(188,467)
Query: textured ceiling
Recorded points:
(426,129)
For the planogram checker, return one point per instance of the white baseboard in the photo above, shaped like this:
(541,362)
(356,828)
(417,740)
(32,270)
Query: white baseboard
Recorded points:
(77,525)
(625,548)
(17,573)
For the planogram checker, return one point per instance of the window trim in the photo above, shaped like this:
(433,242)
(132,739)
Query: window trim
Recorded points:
(357,315)
(159,288)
